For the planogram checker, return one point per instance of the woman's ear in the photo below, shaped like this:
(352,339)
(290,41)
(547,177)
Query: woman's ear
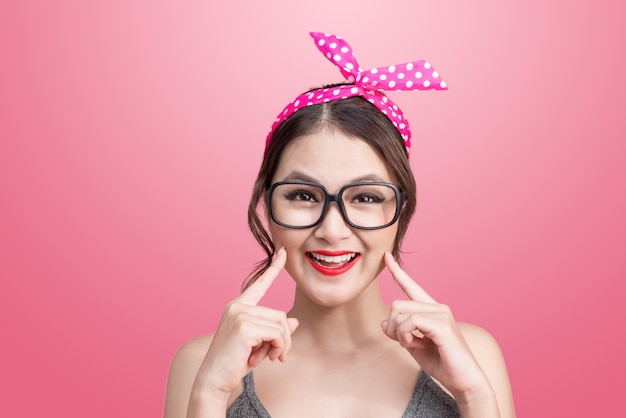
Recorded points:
(403,207)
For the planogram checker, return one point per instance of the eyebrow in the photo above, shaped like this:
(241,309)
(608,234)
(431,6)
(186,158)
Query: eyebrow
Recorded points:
(299,176)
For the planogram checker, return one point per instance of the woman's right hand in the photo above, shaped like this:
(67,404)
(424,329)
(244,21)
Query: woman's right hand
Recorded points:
(246,335)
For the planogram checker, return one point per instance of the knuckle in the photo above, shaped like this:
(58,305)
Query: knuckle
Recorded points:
(446,309)
(396,306)
(282,316)
(277,335)
(233,307)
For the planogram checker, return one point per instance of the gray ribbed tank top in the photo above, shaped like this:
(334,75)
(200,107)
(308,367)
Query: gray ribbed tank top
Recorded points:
(428,401)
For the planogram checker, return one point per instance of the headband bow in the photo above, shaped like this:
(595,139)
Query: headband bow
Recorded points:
(417,75)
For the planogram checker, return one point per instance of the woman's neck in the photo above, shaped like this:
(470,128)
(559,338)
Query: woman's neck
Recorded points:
(342,328)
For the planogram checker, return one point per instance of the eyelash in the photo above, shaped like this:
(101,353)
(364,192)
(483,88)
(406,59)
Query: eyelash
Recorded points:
(298,193)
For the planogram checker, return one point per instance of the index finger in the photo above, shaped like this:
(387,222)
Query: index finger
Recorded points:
(408,285)
(253,294)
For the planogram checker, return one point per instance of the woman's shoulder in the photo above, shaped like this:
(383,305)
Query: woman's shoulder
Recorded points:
(193,350)
(478,337)
(190,354)
(483,345)
(188,359)
(183,370)
(489,356)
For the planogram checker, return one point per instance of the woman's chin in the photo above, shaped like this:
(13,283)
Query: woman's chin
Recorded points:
(332,292)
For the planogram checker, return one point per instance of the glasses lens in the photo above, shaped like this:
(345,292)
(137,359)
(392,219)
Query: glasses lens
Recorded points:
(370,205)
(297,205)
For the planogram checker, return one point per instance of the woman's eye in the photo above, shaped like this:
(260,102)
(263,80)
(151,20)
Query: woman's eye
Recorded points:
(304,197)
(368,198)
(300,196)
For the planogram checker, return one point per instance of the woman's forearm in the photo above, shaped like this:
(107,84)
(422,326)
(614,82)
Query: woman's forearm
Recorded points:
(480,403)
(203,404)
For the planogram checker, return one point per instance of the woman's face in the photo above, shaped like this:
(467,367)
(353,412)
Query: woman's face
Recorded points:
(333,160)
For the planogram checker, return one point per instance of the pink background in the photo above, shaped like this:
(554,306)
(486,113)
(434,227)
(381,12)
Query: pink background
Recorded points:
(130,136)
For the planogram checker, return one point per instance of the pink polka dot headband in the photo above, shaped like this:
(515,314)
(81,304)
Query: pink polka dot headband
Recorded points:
(418,75)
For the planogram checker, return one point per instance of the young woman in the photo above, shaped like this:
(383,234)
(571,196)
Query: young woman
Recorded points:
(337,193)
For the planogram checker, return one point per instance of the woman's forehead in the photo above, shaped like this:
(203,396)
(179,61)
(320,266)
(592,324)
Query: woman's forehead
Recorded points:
(331,157)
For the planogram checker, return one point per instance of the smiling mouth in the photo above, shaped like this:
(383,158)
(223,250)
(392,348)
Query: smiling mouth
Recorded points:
(332,261)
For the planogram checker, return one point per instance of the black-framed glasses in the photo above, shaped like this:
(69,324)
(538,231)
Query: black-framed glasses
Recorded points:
(365,205)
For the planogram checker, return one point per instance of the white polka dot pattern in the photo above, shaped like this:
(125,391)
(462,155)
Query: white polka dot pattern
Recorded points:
(417,75)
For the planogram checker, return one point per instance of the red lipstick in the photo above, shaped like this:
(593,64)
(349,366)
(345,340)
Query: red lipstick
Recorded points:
(322,261)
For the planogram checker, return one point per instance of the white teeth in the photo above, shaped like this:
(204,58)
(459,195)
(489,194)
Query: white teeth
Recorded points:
(333,259)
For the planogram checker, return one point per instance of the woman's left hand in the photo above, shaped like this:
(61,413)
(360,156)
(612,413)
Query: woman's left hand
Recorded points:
(429,332)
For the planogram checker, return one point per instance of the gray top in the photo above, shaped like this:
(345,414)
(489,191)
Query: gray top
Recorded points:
(428,401)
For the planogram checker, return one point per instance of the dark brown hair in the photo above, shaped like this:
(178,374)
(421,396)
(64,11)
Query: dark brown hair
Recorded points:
(354,117)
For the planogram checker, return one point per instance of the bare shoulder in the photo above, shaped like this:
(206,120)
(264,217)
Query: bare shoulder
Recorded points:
(183,370)
(485,348)
(489,356)
(193,351)
(479,339)
(188,359)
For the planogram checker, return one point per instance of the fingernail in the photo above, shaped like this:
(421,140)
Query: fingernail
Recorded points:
(280,251)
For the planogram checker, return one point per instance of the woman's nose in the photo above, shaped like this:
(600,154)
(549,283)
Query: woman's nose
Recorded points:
(333,227)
